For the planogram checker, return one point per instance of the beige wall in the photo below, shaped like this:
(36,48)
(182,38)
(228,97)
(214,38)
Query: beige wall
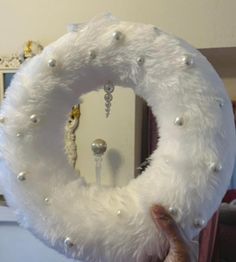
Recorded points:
(204,23)
(224,61)
(118,131)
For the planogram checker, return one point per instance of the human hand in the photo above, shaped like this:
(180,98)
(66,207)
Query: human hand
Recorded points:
(181,249)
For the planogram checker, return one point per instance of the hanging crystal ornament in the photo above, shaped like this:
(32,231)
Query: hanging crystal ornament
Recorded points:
(109,89)
(99,147)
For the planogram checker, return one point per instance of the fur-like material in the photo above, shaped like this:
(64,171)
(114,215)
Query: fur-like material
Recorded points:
(114,224)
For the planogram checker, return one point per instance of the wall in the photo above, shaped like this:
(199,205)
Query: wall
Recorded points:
(118,130)
(224,61)
(204,23)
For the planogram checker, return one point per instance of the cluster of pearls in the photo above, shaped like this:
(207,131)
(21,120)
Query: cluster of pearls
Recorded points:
(109,89)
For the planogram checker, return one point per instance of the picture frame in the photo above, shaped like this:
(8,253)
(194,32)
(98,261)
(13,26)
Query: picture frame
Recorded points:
(8,67)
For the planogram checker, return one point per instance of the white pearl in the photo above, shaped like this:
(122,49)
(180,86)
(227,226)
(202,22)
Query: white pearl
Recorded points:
(179,121)
(188,60)
(173,211)
(118,212)
(221,104)
(215,167)
(2,119)
(92,54)
(34,119)
(21,176)
(109,87)
(68,242)
(46,200)
(156,30)
(140,60)
(19,134)
(52,62)
(199,223)
(117,35)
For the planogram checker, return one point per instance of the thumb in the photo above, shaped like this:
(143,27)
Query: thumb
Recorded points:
(179,250)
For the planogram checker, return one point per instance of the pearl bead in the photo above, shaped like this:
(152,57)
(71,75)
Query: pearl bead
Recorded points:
(21,176)
(46,200)
(118,212)
(2,119)
(68,242)
(19,134)
(188,60)
(117,35)
(179,121)
(92,54)
(199,222)
(52,62)
(156,30)
(173,211)
(140,60)
(34,119)
(109,87)
(215,167)
(221,104)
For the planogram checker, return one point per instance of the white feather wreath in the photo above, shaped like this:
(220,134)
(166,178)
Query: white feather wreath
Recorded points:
(189,172)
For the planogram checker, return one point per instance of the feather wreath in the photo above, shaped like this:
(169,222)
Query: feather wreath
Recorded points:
(189,171)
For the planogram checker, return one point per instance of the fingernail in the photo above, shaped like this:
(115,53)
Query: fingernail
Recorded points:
(160,213)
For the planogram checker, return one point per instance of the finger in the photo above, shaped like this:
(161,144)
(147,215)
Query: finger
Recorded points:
(178,247)
(164,220)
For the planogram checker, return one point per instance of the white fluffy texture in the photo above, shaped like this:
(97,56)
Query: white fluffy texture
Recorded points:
(179,174)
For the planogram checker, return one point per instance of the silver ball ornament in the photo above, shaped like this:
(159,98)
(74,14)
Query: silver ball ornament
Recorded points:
(99,146)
